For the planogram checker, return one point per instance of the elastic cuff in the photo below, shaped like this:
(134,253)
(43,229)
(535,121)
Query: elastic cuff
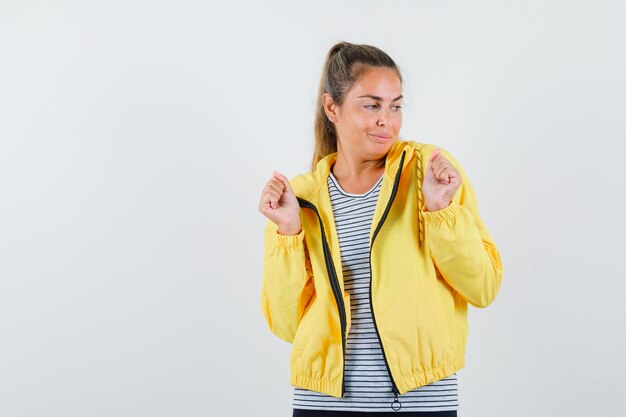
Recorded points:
(448,213)
(289,241)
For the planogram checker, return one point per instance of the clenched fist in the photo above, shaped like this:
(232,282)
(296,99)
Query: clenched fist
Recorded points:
(280,205)
(441,181)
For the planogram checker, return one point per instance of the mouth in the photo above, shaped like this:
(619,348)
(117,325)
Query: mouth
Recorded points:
(380,138)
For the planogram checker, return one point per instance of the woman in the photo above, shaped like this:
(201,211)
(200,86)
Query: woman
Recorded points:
(372,257)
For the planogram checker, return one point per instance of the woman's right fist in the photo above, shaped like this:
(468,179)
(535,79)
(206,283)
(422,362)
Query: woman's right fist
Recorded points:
(280,205)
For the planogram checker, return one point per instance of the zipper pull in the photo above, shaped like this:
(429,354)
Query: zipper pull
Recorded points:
(395,405)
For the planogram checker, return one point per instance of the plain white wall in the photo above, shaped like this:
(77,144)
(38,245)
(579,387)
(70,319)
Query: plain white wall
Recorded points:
(136,137)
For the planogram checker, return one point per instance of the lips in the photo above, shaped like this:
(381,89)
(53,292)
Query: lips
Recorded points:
(380,137)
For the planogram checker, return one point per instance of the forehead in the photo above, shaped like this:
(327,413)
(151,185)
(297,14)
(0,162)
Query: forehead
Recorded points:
(381,82)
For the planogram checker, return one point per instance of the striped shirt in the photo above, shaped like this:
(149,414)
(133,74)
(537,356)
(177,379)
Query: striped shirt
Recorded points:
(367,381)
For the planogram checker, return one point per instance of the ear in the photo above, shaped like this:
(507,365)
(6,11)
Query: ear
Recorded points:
(330,108)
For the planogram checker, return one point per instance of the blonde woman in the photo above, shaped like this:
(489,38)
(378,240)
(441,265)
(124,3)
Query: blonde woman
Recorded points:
(372,257)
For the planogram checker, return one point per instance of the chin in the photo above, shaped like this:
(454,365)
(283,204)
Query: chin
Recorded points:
(380,150)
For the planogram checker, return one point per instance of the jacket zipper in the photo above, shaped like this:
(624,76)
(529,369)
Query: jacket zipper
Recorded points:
(395,405)
(334,283)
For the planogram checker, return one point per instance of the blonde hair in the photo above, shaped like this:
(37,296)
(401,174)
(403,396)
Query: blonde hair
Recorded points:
(345,64)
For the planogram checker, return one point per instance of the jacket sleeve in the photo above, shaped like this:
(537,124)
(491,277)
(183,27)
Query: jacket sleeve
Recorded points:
(461,247)
(287,285)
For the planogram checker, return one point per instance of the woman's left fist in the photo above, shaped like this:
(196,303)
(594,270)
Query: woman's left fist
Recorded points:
(441,181)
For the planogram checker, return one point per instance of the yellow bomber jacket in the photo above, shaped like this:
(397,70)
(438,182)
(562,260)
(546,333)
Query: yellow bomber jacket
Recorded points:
(425,269)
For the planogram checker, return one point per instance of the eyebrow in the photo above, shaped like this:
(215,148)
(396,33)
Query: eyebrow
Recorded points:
(380,98)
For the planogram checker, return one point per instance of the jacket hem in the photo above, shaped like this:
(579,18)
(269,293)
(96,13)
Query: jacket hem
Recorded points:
(418,378)
(406,382)
(323,385)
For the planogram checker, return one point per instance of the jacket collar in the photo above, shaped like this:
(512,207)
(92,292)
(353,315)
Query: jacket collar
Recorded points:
(392,160)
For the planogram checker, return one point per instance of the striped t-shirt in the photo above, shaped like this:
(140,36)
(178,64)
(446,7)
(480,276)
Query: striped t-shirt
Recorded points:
(367,382)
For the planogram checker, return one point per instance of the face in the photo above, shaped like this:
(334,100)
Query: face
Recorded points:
(369,120)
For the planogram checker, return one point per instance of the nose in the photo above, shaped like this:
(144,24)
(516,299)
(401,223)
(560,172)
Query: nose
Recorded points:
(383,118)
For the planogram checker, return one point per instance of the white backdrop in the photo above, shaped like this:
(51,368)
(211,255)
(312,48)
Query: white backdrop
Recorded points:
(135,139)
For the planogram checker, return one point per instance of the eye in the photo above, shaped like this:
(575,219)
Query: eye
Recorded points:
(371,106)
(397,107)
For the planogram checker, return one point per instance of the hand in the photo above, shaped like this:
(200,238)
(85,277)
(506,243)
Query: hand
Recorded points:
(280,205)
(440,182)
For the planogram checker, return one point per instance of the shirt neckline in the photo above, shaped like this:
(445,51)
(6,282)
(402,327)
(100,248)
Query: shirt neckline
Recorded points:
(342,191)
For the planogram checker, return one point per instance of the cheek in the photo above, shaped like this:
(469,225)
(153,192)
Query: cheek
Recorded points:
(359,120)
(364,123)
(397,121)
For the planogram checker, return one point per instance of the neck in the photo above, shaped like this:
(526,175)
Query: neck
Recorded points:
(354,168)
